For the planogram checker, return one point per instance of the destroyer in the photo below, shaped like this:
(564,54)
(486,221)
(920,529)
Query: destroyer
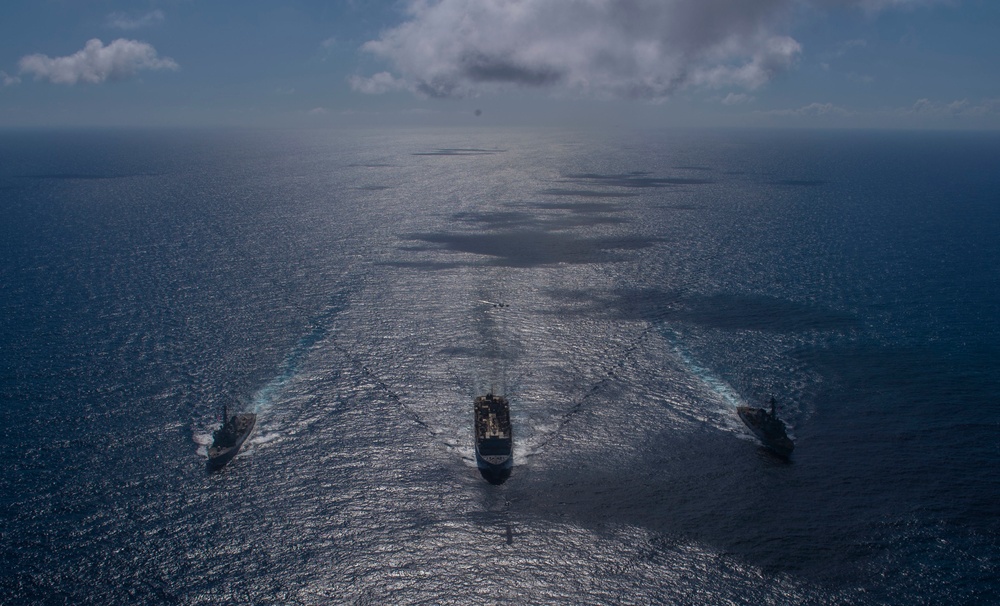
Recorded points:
(494,441)
(766,425)
(228,439)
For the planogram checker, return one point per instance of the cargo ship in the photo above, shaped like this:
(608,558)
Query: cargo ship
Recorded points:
(494,440)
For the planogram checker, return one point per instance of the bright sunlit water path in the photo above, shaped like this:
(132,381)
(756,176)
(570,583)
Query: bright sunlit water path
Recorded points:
(347,287)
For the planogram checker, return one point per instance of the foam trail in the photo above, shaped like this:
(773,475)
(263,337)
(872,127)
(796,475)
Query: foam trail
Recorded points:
(716,384)
(265,396)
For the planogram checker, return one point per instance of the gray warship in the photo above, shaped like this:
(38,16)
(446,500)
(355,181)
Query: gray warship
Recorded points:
(228,439)
(494,440)
(766,425)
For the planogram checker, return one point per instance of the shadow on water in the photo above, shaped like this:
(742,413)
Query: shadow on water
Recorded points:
(637,179)
(534,247)
(586,193)
(728,311)
(460,151)
(582,216)
(579,207)
(495,478)
(799,182)
(680,207)
(894,434)
(703,489)
(83,176)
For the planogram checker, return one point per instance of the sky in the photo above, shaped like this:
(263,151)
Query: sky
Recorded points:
(908,64)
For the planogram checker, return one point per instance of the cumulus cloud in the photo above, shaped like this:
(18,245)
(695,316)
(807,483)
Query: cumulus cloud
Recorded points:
(647,49)
(637,48)
(9,80)
(381,82)
(120,60)
(127,22)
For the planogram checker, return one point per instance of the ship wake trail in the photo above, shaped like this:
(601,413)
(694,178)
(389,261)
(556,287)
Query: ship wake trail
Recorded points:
(392,395)
(608,375)
(716,384)
(725,393)
(264,399)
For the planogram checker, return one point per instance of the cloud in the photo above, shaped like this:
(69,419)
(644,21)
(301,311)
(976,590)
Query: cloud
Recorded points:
(736,99)
(381,82)
(9,80)
(645,49)
(875,6)
(811,110)
(123,21)
(317,111)
(958,108)
(96,63)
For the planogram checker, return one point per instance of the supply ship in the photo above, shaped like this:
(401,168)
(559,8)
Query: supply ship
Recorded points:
(494,441)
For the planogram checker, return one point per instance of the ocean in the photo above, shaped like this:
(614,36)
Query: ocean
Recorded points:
(626,291)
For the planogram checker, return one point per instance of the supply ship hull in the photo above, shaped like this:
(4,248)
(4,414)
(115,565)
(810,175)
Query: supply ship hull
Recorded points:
(494,440)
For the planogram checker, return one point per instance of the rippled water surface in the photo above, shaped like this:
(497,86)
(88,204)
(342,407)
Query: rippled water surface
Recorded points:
(626,292)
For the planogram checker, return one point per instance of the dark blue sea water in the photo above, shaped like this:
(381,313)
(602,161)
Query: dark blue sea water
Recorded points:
(344,285)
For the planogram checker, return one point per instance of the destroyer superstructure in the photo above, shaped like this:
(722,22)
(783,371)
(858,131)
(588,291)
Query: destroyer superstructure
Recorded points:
(766,425)
(228,439)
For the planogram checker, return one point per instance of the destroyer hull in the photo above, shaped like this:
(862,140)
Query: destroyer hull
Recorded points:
(218,457)
(773,438)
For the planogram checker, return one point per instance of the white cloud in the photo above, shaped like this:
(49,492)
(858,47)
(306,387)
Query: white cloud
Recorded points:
(961,107)
(636,49)
(774,56)
(646,49)
(9,80)
(97,63)
(811,110)
(317,111)
(126,22)
(381,82)
(736,99)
